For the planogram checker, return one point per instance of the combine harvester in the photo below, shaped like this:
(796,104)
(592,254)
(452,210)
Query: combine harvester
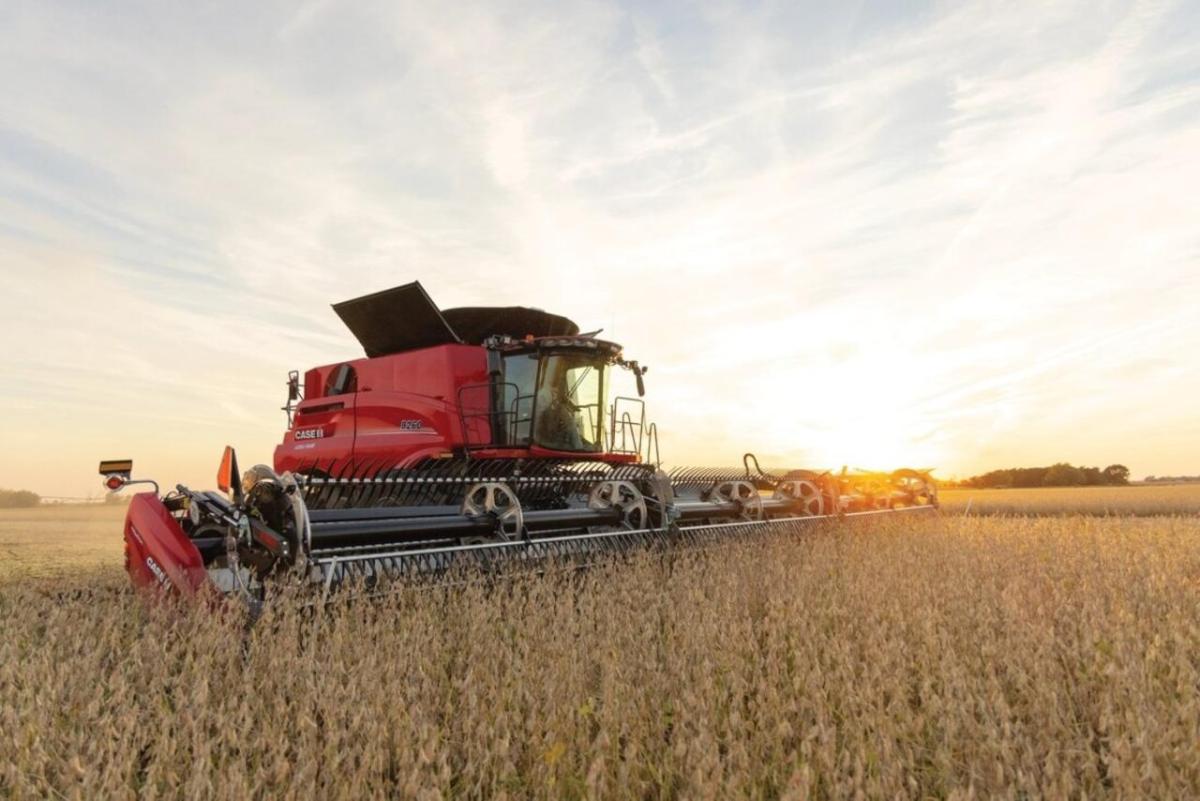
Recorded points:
(478,436)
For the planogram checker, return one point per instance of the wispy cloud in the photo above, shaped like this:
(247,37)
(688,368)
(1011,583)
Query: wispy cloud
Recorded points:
(961,235)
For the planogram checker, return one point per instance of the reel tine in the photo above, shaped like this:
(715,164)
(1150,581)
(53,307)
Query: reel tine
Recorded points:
(402,483)
(337,487)
(366,490)
(321,487)
(352,489)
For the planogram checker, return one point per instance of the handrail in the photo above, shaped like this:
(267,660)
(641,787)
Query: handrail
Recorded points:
(515,421)
(495,417)
(630,440)
(652,442)
(626,432)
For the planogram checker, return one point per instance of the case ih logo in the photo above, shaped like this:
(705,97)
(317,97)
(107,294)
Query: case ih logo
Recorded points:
(310,433)
(158,572)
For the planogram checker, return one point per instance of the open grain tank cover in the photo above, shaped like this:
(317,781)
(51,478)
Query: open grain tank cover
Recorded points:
(405,318)
(395,320)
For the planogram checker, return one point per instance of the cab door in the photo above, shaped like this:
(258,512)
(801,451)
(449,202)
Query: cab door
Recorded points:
(323,429)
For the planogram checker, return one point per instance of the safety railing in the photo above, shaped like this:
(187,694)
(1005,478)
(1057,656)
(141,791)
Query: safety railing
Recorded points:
(486,424)
(652,454)
(629,433)
(628,423)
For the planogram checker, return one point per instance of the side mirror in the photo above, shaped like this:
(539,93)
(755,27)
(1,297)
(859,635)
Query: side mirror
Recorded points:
(640,371)
(293,386)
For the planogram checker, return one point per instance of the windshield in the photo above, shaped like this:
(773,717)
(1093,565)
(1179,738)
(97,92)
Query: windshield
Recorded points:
(569,403)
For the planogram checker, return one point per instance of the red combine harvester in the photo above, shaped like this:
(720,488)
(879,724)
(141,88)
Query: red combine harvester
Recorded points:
(479,435)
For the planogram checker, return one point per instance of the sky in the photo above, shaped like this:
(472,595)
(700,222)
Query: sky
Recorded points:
(951,235)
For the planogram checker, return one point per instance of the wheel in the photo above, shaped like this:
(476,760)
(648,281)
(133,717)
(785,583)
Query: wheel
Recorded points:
(916,488)
(492,498)
(623,496)
(744,494)
(807,496)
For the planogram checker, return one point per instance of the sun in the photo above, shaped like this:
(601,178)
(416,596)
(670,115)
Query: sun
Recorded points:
(871,419)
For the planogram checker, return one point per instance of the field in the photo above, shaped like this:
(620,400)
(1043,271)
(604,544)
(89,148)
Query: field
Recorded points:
(939,657)
(1139,499)
(59,539)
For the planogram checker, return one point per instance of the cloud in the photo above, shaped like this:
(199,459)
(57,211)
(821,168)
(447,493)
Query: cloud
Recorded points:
(846,235)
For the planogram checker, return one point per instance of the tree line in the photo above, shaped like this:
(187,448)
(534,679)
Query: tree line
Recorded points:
(18,499)
(1056,475)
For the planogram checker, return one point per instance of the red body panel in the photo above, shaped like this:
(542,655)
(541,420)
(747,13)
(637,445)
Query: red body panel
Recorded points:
(408,403)
(323,430)
(158,555)
(404,407)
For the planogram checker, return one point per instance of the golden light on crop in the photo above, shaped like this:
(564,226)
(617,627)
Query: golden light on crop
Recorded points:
(823,666)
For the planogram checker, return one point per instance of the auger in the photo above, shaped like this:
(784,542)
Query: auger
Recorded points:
(480,437)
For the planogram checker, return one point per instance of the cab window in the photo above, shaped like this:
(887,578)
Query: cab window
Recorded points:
(569,403)
(342,380)
(516,396)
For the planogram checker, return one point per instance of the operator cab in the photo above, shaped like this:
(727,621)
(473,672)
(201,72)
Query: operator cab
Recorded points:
(552,393)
